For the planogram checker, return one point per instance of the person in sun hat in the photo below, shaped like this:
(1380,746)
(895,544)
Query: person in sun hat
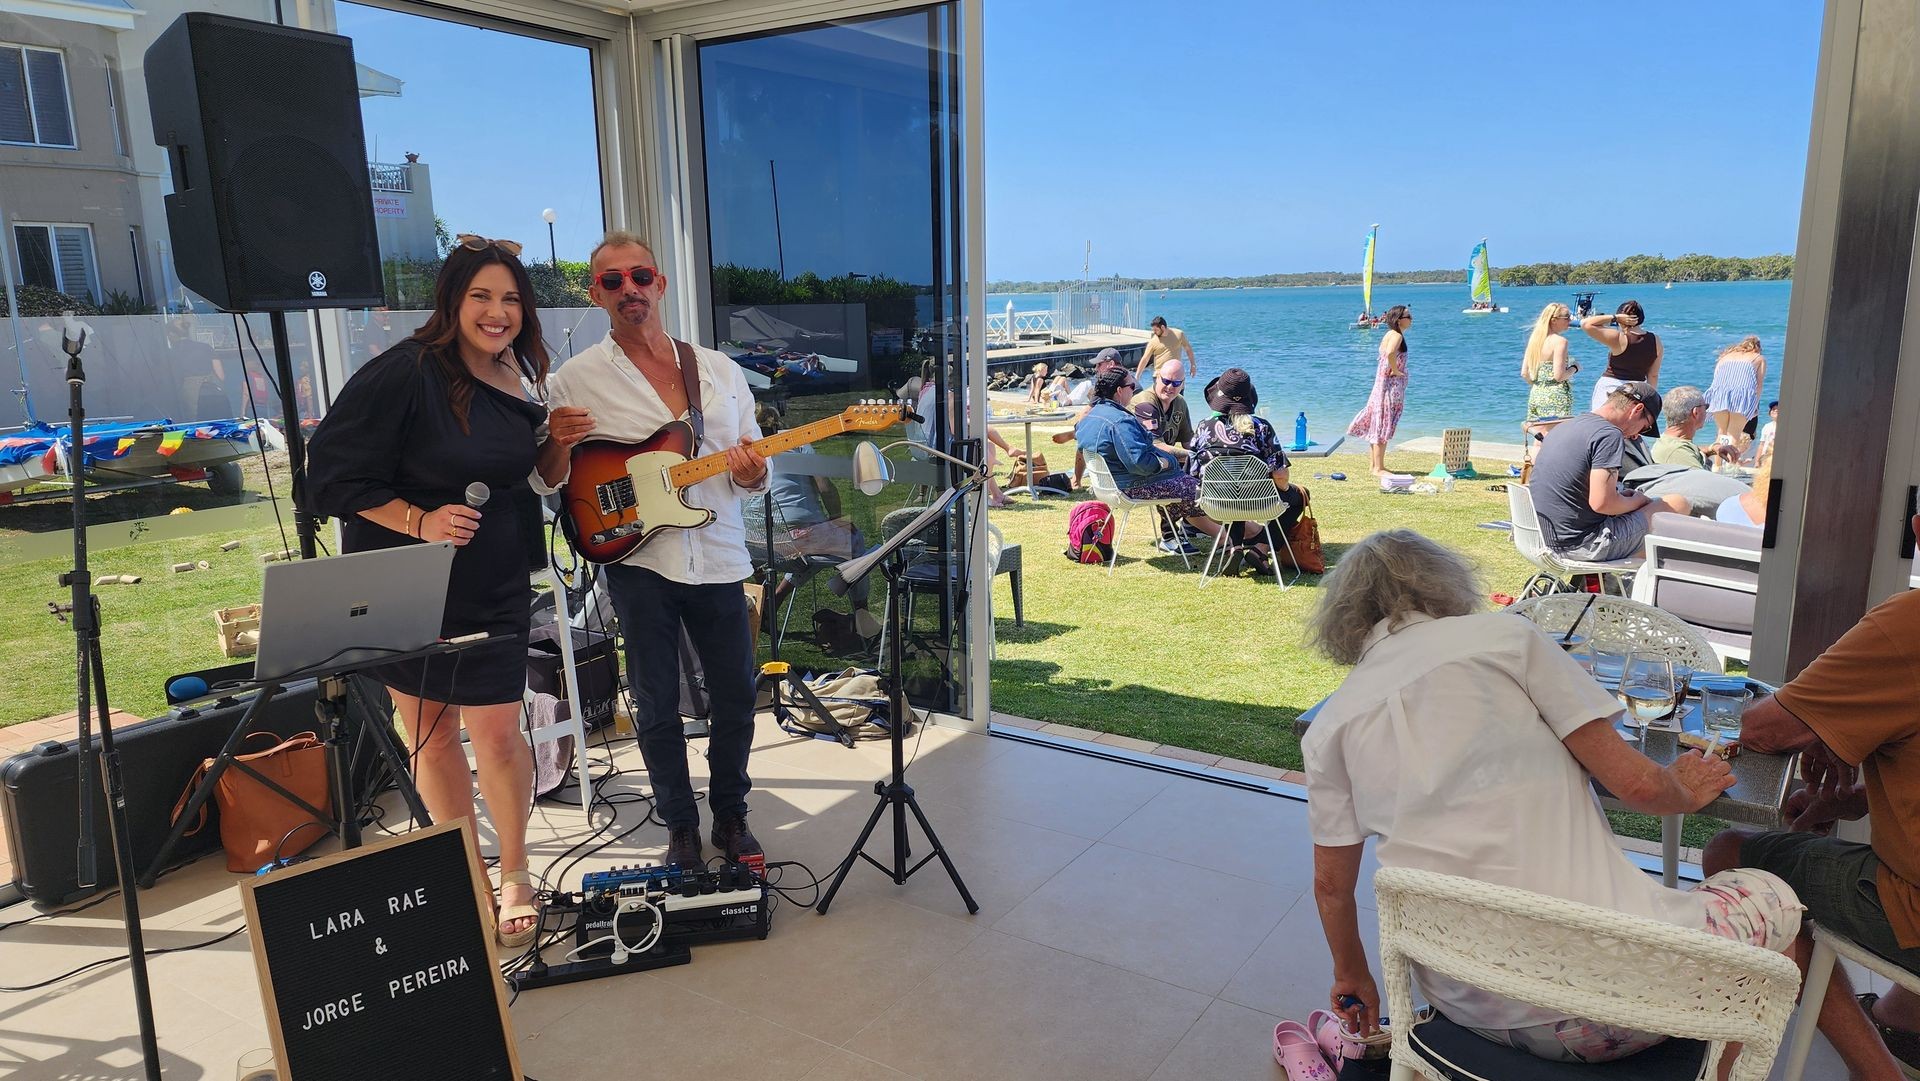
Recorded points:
(1234,429)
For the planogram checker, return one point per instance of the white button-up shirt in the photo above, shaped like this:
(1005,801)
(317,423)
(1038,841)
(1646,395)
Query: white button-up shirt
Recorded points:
(626,408)
(1445,743)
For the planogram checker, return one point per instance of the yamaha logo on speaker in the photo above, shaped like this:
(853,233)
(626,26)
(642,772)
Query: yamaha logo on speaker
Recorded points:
(317,282)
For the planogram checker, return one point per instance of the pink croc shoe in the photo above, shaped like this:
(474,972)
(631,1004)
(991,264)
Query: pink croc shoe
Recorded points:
(1295,1050)
(1325,1026)
(1340,1043)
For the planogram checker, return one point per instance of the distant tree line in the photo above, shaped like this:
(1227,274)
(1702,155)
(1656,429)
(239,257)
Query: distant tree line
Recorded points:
(1634,269)
(1259,281)
(1642,269)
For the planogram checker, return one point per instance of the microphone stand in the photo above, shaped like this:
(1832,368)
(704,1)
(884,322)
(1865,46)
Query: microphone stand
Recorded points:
(91,683)
(777,675)
(894,792)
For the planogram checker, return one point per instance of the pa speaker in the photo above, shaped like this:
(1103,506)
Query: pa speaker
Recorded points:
(271,207)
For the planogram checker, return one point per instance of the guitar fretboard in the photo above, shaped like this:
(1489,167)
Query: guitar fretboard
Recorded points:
(712,465)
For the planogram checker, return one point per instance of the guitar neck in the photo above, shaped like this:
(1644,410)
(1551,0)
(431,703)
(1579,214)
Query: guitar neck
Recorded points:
(696,470)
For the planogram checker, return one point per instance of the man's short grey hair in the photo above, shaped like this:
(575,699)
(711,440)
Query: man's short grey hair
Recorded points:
(1389,575)
(1679,403)
(618,238)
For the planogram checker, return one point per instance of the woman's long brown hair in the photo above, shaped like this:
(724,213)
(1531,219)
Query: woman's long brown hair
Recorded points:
(440,337)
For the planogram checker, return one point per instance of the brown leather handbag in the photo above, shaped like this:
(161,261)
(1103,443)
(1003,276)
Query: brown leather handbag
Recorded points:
(258,824)
(1304,541)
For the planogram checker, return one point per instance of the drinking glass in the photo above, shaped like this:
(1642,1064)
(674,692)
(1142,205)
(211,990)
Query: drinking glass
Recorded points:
(1608,665)
(1721,710)
(256,1065)
(1647,688)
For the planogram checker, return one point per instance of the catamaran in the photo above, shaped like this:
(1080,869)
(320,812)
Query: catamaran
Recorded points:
(1367,319)
(1480,283)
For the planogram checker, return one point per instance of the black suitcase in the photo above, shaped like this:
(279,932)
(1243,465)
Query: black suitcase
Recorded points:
(158,758)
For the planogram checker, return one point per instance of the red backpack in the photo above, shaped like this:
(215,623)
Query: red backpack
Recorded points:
(1090,532)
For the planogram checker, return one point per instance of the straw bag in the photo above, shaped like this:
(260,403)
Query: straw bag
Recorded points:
(258,824)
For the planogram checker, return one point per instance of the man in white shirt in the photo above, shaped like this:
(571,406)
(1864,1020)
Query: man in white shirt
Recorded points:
(631,385)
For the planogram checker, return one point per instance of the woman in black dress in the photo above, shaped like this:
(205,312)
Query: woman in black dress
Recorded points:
(392,460)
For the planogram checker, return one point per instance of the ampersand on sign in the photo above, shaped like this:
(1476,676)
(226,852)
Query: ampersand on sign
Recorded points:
(379,946)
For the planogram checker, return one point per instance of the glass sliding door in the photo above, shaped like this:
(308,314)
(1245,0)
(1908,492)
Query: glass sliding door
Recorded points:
(831,158)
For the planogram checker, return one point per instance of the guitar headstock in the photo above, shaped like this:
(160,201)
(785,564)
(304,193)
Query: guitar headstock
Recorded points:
(874,414)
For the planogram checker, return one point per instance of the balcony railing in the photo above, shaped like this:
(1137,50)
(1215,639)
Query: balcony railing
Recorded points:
(387,177)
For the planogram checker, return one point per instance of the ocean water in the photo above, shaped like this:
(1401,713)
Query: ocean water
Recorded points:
(1463,370)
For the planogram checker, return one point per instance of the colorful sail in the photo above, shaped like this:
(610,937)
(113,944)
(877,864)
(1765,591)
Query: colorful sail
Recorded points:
(1479,279)
(1366,282)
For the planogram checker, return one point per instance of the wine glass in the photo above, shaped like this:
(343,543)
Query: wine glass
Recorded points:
(1647,688)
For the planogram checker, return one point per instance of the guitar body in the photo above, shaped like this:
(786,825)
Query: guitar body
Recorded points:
(619,497)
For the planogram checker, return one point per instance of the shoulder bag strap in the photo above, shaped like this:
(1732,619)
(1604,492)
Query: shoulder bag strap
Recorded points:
(690,378)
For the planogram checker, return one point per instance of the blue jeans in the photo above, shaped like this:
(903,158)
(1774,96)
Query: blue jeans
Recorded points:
(652,610)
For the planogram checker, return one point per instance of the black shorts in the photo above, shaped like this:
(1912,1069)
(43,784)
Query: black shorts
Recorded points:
(1837,881)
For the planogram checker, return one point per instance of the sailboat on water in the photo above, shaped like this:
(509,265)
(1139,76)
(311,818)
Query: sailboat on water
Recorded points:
(1480,283)
(1367,320)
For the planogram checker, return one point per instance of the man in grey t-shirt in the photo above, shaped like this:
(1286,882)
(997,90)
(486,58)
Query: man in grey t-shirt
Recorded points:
(1584,512)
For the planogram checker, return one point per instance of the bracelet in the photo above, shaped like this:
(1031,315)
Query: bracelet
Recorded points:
(407,528)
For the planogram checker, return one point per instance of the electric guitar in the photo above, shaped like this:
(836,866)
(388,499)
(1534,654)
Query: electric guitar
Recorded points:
(622,495)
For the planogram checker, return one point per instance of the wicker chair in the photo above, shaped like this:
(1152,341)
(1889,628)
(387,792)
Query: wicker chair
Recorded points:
(1580,960)
(1554,569)
(1828,948)
(1622,624)
(1100,483)
(1237,488)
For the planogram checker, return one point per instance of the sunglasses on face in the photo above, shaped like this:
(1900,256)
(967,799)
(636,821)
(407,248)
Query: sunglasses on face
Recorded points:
(1171,382)
(475,242)
(614,280)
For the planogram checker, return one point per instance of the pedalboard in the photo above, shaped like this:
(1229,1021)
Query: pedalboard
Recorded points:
(699,905)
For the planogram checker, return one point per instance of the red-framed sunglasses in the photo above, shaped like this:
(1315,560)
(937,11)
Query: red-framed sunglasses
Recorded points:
(614,280)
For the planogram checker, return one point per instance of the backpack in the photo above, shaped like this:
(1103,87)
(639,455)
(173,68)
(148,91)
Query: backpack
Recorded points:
(1090,532)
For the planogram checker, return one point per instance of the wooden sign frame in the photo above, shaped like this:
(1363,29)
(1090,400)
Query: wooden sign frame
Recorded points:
(482,897)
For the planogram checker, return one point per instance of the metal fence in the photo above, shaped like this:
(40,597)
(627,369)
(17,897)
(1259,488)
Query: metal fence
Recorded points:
(1097,311)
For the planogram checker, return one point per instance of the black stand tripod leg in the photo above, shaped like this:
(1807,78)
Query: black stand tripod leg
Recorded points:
(859,847)
(941,851)
(380,730)
(204,792)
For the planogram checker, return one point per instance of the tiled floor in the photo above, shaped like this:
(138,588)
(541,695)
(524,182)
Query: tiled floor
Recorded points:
(1134,924)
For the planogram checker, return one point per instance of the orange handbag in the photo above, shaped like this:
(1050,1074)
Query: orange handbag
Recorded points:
(257,824)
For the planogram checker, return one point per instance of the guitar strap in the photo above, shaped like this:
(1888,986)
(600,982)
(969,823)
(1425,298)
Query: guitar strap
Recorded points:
(690,378)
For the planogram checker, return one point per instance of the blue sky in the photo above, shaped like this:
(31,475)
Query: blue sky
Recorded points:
(1268,136)
(1262,137)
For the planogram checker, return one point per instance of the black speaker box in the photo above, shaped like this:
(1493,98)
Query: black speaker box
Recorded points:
(38,788)
(272,208)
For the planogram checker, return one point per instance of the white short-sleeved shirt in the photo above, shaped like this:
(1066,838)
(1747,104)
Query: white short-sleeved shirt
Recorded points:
(1445,743)
(626,408)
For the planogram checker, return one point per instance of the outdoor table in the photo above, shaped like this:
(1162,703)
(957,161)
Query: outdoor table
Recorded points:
(1316,449)
(1760,780)
(1027,421)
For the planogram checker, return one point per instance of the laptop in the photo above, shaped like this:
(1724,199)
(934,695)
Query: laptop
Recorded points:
(351,608)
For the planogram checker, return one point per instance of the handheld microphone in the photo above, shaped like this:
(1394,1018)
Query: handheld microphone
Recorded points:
(478,493)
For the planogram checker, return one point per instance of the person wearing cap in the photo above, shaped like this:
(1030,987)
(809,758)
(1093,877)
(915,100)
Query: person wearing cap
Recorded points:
(1081,395)
(1140,469)
(1585,514)
(1166,343)
(1233,429)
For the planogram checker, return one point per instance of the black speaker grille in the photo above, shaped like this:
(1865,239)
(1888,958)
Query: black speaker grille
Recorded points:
(275,115)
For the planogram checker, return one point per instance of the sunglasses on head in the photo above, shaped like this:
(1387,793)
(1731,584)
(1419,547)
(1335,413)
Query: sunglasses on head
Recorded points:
(613,280)
(475,242)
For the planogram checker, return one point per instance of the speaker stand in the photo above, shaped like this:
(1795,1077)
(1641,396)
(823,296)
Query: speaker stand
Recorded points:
(290,417)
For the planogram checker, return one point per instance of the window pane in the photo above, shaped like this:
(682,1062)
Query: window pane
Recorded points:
(74,247)
(16,123)
(36,256)
(48,74)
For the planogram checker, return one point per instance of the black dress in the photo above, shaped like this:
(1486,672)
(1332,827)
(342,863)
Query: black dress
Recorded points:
(391,434)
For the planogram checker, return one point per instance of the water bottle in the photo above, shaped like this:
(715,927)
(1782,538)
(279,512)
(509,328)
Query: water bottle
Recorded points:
(1300,432)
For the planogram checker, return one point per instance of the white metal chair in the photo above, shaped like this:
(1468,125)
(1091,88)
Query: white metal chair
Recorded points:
(1708,574)
(1100,483)
(1623,624)
(1237,488)
(1554,570)
(1579,960)
(1828,948)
